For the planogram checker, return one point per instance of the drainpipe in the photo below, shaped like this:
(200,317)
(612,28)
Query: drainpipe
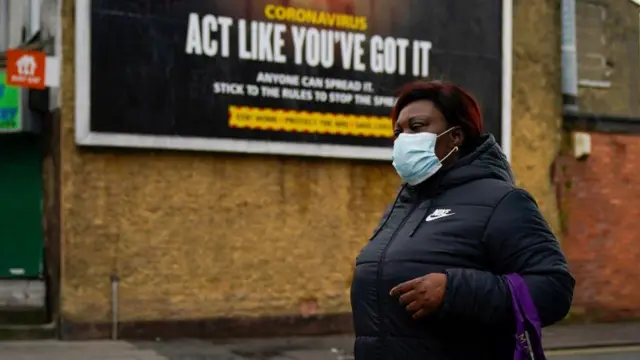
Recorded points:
(569,57)
(581,140)
(35,9)
(4,24)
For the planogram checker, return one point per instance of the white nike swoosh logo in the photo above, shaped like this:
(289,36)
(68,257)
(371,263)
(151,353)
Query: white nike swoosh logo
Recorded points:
(434,217)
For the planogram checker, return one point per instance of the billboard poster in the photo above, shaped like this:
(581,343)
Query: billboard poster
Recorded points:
(10,101)
(293,77)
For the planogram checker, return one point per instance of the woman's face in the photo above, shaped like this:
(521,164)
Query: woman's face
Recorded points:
(423,116)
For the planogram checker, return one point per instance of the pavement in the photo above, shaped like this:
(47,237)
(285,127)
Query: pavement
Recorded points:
(590,342)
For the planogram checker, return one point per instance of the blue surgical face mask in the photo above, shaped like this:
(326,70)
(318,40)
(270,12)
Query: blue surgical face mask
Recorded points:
(414,156)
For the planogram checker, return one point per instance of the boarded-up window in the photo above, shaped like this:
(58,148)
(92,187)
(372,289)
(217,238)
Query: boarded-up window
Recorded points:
(593,64)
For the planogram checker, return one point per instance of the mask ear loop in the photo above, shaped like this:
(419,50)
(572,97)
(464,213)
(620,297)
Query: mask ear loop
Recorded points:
(446,131)
(455,148)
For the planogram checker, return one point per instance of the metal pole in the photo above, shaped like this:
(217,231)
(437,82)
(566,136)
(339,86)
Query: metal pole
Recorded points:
(114,306)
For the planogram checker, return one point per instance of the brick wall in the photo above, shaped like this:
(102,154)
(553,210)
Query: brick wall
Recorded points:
(600,207)
(599,197)
(619,56)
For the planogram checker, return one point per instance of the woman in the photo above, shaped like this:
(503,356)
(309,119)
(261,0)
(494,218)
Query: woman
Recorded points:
(430,283)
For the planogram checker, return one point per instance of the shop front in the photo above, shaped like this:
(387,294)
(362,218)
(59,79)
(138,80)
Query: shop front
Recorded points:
(21,238)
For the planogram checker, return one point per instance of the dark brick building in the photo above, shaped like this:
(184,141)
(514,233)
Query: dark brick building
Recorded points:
(599,196)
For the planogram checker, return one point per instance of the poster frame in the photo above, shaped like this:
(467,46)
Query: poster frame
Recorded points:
(85,137)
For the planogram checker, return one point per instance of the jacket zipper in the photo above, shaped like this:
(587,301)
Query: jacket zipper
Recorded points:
(383,324)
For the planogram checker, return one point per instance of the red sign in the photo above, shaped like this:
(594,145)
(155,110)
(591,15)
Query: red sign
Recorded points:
(26,68)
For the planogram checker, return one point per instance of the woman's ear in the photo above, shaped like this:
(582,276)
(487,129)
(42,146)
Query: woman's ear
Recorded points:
(457,137)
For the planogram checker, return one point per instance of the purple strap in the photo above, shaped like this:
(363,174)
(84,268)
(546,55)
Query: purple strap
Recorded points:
(528,345)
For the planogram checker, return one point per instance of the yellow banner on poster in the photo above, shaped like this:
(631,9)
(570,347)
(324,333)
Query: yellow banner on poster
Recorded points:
(254,118)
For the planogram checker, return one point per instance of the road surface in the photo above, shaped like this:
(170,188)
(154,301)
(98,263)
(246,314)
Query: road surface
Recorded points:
(202,350)
(614,353)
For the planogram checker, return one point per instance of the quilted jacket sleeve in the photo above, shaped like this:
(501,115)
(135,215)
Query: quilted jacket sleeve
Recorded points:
(518,240)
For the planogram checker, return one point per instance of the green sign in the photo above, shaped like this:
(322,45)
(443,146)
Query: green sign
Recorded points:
(10,119)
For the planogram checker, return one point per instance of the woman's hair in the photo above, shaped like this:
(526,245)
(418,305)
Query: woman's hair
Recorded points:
(457,105)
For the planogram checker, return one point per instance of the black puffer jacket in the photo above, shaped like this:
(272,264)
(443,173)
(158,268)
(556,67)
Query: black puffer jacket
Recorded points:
(472,223)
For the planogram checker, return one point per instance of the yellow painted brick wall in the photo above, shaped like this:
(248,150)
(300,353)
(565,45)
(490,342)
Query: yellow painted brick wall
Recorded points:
(537,100)
(196,235)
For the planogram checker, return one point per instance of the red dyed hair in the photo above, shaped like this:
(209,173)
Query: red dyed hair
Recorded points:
(456,104)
